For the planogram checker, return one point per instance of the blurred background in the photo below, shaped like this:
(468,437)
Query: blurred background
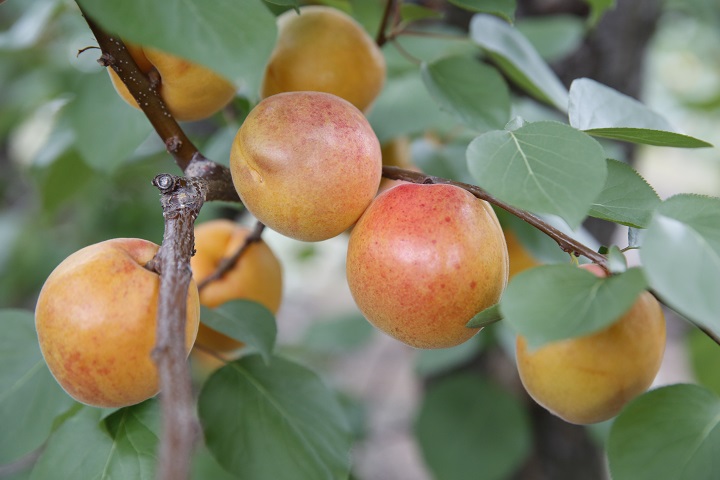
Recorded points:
(76,165)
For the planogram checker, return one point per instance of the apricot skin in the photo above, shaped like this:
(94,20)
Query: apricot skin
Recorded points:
(589,379)
(423,260)
(190,91)
(306,164)
(325,50)
(257,276)
(96,321)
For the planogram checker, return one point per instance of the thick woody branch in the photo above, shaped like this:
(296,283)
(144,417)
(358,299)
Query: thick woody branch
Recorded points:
(181,201)
(566,243)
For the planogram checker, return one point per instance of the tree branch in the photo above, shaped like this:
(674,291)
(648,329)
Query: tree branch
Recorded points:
(381,38)
(228,263)
(181,201)
(566,243)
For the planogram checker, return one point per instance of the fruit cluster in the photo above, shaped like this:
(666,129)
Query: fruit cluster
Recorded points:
(422,260)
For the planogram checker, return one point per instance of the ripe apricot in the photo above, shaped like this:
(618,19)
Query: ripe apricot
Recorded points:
(423,260)
(256,276)
(589,379)
(96,318)
(306,164)
(190,91)
(325,50)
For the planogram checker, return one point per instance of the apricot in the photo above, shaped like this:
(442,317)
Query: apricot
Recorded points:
(423,260)
(190,91)
(325,50)
(256,276)
(96,318)
(306,164)
(589,379)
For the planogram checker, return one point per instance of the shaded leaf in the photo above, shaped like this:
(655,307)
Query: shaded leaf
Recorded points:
(339,335)
(278,421)
(516,56)
(469,428)
(434,361)
(681,421)
(245,321)
(486,317)
(409,12)
(30,398)
(120,447)
(681,257)
(604,112)
(474,93)
(504,9)
(556,302)
(626,197)
(544,167)
(553,36)
(107,131)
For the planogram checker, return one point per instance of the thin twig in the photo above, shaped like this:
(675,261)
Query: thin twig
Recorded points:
(228,263)
(381,39)
(566,243)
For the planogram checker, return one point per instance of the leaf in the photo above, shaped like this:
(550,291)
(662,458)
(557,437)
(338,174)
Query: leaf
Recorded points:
(604,112)
(469,428)
(30,398)
(704,357)
(553,36)
(278,421)
(245,321)
(29,28)
(544,167)
(617,263)
(405,107)
(556,302)
(486,317)
(410,12)
(504,9)
(121,447)
(598,9)
(681,257)
(626,198)
(234,37)
(63,179)
(339,335)
(474,93)
(516,56)
(671,433)
(107,130)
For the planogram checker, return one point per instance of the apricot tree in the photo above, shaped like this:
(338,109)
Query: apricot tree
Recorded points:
(292,114)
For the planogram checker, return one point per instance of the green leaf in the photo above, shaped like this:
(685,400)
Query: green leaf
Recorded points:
(516,56)
(598,9)
(432,362)
(469,428)
(234,37)
(30,398)
(474,93)
(245,321)
(120,447)
(278,421)
(626,198)
(486,317)
(410,12)
(604,112)
(445,160)
(504,9)
(63,179)
(617,263)
(544,167)
(405,107)
(553,36)
(671,433)
(704,357)
(107,130)
(338,335)
(556,302)
(681,257)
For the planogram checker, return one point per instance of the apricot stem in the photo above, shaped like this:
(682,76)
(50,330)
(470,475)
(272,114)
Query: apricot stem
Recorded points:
(228,263)
(565,242)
